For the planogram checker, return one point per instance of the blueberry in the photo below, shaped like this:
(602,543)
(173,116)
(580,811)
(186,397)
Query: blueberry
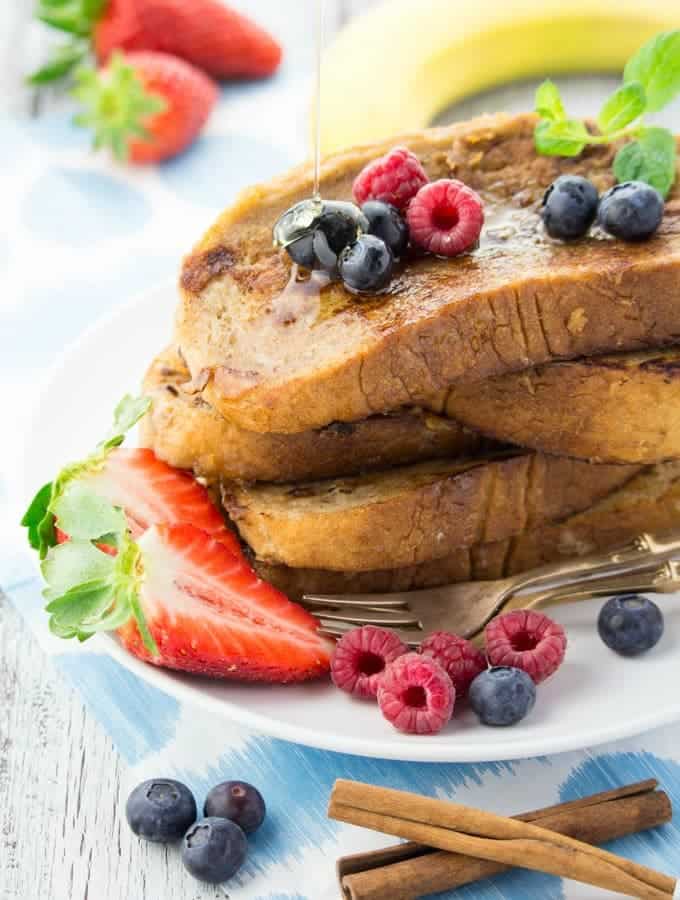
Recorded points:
(214,849)
(366,265)
(630,624)
(502,696)
(324,256)
(160,810)
(569,207)
(238,801)
(386,222)
(631,211)
(335,228)
(301,251)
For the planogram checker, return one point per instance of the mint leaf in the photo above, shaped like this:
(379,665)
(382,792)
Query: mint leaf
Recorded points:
(624,106)
(85,515)
(656,66)
(36,513)
(564,138)
(548,102)
(651,158)
(74,563)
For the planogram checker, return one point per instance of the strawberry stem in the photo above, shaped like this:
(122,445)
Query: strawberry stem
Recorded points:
(116,105)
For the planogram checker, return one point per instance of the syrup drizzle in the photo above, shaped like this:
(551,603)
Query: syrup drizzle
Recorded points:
(320,28)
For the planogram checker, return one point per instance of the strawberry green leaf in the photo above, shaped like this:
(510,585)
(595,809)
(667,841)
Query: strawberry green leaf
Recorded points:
(84,515)
(115,105)
(74,563)
(39,518)
(549,102)
(83,604)
(656,66)
(63,62)
(564,138)
(69,17)
(35,515)
(126,415)
(624,106)
(651,158)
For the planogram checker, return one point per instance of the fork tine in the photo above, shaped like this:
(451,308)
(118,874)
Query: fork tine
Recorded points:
(338,629)
(361,601)
(368,617)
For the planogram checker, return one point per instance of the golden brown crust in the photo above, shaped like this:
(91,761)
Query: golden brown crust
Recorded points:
(621,408)
(186,432)
(649,501)
(413,514)
(520,300)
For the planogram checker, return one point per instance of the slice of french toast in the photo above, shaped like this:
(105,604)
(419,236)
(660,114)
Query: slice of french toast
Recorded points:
(618,408)
(413,514)
(649,501)
(185,431)
(519,300)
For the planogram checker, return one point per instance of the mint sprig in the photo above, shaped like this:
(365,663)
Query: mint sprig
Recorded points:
(651,80)
(40,516)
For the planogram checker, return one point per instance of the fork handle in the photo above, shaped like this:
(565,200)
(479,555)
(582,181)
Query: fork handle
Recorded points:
(660,580)
(642,550)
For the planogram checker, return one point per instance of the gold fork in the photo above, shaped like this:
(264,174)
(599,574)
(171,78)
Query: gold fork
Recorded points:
(466,609)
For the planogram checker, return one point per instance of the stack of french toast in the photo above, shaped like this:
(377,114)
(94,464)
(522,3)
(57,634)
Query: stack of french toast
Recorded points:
(484,415)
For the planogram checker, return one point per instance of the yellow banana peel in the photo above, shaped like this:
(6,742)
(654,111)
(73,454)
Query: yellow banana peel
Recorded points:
(396,67)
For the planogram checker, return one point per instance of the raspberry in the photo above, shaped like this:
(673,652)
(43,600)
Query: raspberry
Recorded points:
(460,659)
(394,178)
(526,640)
(445,217)
(416,695)
(360,658)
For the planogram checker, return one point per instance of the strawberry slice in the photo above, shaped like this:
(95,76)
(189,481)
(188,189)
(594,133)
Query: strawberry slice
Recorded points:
(210,614)
(153,493)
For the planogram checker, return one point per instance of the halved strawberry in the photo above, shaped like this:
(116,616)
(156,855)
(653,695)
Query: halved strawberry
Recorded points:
(153,493)
(210,614)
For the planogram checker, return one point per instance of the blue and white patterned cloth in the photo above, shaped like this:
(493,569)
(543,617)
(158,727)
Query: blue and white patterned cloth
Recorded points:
(85,234)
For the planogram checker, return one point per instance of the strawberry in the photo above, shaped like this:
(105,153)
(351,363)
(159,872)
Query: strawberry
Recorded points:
(210,614)
(145,107)
(208,34)
(153,493)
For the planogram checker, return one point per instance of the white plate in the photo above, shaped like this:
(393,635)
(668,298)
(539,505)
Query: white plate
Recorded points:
(596,696)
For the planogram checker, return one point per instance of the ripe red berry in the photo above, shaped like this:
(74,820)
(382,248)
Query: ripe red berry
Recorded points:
(459,658)
(146,107)
(416,695)
(360,659)
(445,217)
(394,178)
(527,640)
(207,33)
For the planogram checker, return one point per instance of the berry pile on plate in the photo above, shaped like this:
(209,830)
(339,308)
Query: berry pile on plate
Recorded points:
(418,692)
(395,205)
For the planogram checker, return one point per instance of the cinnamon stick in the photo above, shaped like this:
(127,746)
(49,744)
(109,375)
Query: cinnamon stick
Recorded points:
(475,833)
(407,871)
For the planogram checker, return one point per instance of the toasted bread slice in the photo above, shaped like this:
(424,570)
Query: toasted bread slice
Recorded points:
(650,501)
(301,361)
(412,514)
(622,408)
(186,432)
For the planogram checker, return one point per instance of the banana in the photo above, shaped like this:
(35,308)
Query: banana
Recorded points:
(395,68)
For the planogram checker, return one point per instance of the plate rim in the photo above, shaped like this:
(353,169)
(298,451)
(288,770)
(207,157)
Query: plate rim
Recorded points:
(185,689)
